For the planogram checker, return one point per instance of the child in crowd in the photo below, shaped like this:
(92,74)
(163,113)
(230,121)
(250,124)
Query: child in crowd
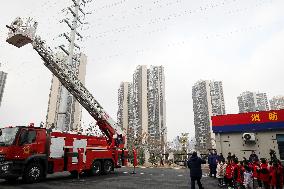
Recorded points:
(264,173)
(248,178)
(255,169)
(243,174)
(229,174)
(221,168)
(276,175)
(238,174)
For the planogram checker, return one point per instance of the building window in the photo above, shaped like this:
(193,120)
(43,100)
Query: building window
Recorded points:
(280,142)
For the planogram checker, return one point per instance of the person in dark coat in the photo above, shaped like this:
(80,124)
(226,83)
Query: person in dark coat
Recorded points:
(194,164)
(253,156)
(229,157)
(221,158)
(214,164)
(210,160)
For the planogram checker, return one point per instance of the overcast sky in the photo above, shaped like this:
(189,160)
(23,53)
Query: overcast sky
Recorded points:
(238,42)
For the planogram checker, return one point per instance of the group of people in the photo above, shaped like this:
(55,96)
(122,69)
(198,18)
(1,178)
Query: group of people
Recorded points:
(232,173)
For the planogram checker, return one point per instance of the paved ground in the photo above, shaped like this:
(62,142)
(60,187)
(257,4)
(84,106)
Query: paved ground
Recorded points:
(148,178)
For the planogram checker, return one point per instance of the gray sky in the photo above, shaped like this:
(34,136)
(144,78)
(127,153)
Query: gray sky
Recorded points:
(239,42)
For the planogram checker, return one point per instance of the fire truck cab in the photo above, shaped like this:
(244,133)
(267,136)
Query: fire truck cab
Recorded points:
(33,152)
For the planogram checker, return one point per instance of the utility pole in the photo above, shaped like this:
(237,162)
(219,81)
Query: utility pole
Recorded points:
(65,108)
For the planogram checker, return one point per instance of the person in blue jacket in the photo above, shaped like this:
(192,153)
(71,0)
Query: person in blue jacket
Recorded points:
(214,163)
(194,164)
(210,160)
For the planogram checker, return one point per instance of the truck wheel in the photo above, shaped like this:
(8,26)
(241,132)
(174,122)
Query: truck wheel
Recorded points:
(74,174)
(96,168)
(11,179)
(108,167)
(33,173)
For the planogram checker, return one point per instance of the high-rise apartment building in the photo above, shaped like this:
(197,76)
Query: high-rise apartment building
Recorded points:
(251,102)
(124,113)
(208,100)
(3,77)
(144,103)
(156,103)
(277,103)
(55,99)
(140,108)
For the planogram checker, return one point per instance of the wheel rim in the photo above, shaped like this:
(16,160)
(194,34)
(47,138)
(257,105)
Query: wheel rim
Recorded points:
(96,167)
(34,173)
(107,166)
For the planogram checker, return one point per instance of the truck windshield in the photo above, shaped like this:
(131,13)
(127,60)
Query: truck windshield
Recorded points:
(7,136)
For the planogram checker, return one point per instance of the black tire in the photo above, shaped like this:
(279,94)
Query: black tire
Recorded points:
(74,174)
(33,173)
(96,168)
(11,179)
(108,167)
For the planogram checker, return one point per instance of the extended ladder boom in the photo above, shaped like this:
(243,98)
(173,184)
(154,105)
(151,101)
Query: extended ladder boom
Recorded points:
(20,35)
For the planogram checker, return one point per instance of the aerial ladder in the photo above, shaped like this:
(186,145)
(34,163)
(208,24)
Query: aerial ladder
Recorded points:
(22,33)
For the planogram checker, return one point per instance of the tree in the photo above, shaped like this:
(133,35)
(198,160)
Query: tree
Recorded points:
(179,147)
(183,140)
(135,141)
(153,159)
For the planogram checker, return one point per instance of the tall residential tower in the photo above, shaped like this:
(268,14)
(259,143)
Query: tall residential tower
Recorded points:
(54,100)
(156,103)
(3,77)
(124,113)
(277,103)
(251,102)
(142,104)
(208,100)
(140,109)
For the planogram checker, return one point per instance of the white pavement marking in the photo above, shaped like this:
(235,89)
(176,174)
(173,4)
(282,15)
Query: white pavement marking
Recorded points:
(180,175)
(141,173)
(125,172)
(143,167)
(176,168)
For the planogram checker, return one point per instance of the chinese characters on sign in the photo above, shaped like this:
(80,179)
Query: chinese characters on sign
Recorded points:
(255,117)
(272,116)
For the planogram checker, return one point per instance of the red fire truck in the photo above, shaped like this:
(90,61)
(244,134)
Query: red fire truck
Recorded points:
(33,152)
